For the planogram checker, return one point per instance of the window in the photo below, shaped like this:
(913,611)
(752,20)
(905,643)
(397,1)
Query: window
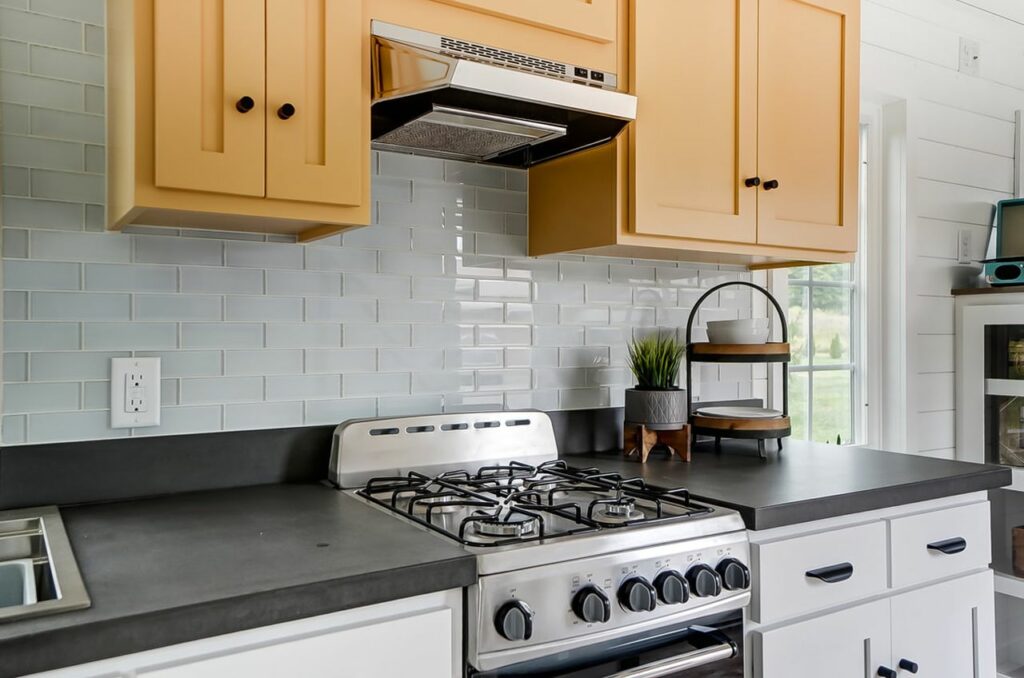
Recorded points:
(825,334)
(822,384)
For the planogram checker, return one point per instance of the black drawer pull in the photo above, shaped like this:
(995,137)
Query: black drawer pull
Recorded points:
(949,546)
(832,574)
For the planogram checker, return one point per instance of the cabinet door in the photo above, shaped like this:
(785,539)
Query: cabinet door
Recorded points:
(592,19)
(852,643)
(808,88)
(947,629)
(424,644)
(318,63)
(695,76)
(209,54)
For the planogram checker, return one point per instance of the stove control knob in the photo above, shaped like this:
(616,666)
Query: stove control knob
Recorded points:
(703,580)
(672,587)
(591,605)
(637,595)
(735,575)
(514,621)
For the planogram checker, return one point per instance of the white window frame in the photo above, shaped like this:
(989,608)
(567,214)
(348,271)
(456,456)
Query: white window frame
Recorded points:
(865,302)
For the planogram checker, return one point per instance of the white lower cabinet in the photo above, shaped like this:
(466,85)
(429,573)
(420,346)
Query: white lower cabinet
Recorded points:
(944,630)
(947,629)
(419,636)
(844,644)
(897,592)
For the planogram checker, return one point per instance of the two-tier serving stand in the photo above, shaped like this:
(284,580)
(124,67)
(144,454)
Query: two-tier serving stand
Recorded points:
(759,429)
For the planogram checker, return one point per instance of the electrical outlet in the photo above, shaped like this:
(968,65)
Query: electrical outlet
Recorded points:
(134,392)
(970,57)
(963,247)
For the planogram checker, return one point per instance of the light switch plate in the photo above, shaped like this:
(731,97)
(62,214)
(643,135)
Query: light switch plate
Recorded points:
(134,392)
(963,247)
(970,57)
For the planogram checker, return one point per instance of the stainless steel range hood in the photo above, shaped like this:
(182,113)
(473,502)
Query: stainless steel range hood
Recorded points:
(438,96)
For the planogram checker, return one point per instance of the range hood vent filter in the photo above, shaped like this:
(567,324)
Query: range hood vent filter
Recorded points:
(467,135)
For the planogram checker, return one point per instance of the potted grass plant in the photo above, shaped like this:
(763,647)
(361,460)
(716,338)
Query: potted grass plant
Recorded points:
(656,401)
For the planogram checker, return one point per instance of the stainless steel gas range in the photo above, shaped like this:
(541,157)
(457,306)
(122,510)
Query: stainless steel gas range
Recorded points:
(581,573)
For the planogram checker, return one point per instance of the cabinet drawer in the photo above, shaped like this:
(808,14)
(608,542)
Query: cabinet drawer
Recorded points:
(817,571)
(939,544)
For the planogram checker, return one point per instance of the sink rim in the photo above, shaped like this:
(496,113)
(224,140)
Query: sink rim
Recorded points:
(71,593)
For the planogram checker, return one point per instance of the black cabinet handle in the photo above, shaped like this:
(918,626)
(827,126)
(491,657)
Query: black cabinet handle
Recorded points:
(285,111)
(771,184)
(886,672)
(832,574)
(752,182)
(245,104)
(908,665)
(949,546)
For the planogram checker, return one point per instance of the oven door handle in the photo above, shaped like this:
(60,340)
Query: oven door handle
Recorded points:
(716,647)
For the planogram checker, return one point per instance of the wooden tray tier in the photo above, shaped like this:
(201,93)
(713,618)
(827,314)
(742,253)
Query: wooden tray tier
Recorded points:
(726,427)
(773,352)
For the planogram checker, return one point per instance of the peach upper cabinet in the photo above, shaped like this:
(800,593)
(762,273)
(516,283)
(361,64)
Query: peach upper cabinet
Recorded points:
(744,149)
(239,114)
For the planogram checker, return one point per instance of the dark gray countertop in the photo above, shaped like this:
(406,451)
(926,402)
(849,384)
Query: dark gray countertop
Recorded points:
(173,569)
(808,481)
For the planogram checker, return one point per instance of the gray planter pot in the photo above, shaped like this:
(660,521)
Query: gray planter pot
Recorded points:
(657,410)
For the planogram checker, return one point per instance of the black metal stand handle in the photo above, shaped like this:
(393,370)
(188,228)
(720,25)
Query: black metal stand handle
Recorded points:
(742,283)
(949,546)
(832,574)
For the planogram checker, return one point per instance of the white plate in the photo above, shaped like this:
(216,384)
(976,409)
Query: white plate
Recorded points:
(739,412)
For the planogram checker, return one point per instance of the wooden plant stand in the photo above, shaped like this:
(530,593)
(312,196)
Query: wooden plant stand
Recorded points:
(638,439)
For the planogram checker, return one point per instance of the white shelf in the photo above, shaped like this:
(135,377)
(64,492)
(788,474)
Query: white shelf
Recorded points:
(1009,585)
(1004,387)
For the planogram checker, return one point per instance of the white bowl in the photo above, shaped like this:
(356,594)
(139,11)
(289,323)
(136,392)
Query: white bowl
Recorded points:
(744,331)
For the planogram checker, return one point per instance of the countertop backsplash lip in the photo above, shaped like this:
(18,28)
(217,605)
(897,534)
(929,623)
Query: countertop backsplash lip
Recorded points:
(435,307)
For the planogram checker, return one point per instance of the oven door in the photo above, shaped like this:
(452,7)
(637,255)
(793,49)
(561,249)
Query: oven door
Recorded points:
(708,648)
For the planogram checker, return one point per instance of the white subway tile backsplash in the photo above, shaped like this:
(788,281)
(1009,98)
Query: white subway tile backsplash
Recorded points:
(39,336)
(303,387)
(359,335)
(437,307)
(341,360)
(375,384)
(221,335)
(262,415)
(41,275)
(40,397)
(279,309)
(80,306)
(262,361)
(303,335)
(177,307)
(263,255)
(334,411)
(299,283)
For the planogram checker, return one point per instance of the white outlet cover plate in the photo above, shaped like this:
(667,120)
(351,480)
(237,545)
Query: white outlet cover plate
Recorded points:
(147,370)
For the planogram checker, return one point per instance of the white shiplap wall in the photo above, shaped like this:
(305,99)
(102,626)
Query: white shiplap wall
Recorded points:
(960,148)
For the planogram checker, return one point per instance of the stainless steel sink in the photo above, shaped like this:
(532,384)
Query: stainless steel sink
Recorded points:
(38,573)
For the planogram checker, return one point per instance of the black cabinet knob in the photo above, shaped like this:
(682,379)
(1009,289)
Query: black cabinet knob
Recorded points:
(886,672)
(637,595)
(514,621)
(735,575)
(753,182)
(285,111)
(245,104)
(591,605)
(703,581)
(771,184)
(908,665)
(672,587)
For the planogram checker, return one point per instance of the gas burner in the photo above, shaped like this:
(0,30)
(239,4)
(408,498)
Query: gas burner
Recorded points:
(511,526)
(618,510)
(441,502)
